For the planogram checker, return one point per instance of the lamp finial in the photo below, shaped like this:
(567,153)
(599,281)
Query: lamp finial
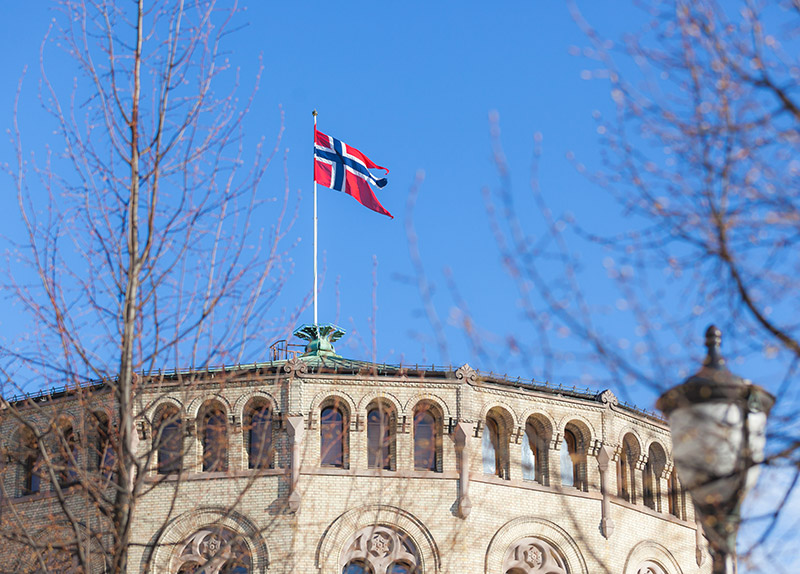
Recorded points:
(714,358)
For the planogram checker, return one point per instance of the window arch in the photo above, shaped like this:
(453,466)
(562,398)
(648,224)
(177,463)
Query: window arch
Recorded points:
(494,444)
(534,451)
(651,476)
(573,458)
(168,440)
(30,463)
(380,549)
(214,437)
(676,496)
(381,431)
(66,458)
(103,454)
(427,437)
(214,550)
(334,434)
(533,555)
(258,420)
(626,468)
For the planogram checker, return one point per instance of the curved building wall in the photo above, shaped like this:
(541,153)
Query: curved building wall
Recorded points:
(471,474)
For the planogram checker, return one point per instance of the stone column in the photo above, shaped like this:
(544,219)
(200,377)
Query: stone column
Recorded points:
(605,456)
(663,490)
(638,479)
(358,441)
(404,449)
(295,429)
(192,449)
(237,459)
(463,435)
(554,460)
(515,438)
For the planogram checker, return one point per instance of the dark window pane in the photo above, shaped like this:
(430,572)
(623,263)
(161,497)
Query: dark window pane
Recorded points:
(32,479)
(260,455)
(356,568)
(215,442)
(492,461)
(106,457)
(170,445)
(331,430)
(378,439)
(67,459)
(424,440)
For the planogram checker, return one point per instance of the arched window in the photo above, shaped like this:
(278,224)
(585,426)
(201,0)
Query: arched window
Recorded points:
(567,466)
(651,475)
(215,439)
(492,448)
(357,567)
(214,550)
(533,556)
(676,496)
(380,550)
(380,437)
(30,463)
(534,452)
(490,445)
(333,436)
(573,459)
(258,421)
(104,456)
(427,438)
(67,457)
(168,441)
(626,468)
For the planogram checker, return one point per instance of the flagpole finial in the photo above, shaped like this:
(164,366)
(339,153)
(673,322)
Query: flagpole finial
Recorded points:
(314,113)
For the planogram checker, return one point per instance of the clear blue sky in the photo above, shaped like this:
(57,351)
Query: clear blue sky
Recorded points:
(412,85)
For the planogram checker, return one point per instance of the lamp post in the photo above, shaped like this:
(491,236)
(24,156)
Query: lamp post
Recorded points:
(718,425)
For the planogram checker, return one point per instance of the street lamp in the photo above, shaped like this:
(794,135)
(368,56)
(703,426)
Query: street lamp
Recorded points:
(718,425)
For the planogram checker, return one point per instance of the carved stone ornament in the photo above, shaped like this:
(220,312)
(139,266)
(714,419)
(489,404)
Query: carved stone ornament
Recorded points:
(383,549)
(214,550)
(649,567)
(466,373)
(295,366)
(607,397)
(534,556)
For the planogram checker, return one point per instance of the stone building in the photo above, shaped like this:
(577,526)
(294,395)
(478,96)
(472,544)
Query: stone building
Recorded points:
(317,464)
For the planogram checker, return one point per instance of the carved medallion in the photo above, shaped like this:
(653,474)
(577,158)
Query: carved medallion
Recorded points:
(383,549)
(380,544)
(533,556)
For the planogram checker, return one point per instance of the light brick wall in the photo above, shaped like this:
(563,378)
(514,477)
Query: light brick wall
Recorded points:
(428,499)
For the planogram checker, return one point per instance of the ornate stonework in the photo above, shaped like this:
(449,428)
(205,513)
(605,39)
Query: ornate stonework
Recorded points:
(650,567)
(385,550)
(607,397)
(466,373)
(533,555)
(215,550)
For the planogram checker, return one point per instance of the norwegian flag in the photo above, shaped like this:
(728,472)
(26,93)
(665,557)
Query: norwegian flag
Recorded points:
(344,168)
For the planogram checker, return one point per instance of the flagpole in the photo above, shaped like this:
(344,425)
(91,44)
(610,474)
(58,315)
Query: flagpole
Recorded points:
(316,321)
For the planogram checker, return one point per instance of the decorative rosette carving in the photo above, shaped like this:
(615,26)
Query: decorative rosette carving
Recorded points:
(214,550)
(384,549)
(534,556)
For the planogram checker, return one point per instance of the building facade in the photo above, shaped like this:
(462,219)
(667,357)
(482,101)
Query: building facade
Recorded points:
(315,463)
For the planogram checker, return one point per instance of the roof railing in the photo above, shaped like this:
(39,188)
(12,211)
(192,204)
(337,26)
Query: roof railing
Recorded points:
(282,350)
